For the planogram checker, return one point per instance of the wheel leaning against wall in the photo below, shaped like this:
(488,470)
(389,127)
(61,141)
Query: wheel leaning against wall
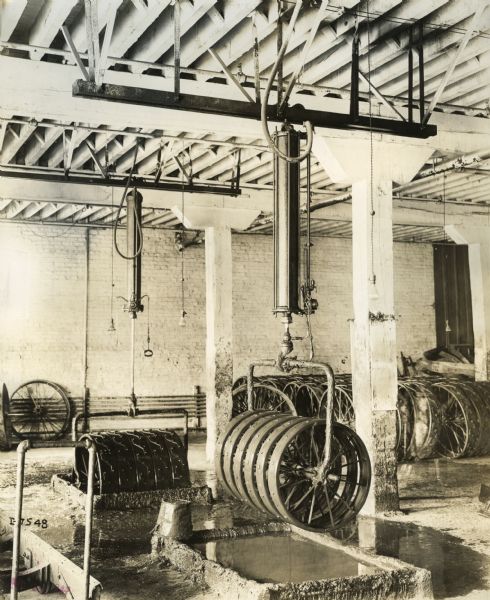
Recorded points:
(39,410)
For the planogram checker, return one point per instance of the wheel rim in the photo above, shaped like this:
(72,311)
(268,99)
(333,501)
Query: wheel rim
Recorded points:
(39,410)
(455,426)
(305,496)
(265,397)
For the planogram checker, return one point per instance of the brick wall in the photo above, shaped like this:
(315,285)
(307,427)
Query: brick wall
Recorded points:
(42,279)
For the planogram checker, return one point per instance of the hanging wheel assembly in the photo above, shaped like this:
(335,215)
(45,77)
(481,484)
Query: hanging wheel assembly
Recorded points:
(275,462)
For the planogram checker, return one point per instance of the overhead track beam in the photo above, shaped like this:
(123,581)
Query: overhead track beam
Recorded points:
(235,108)
(121,182)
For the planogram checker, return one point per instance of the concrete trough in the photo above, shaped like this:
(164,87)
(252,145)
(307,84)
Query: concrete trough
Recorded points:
(63,484)
(276,561)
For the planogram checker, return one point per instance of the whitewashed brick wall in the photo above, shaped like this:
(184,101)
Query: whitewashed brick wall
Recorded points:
(42,308)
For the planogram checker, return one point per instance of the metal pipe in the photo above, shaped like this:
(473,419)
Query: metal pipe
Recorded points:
(89,508)
(22,449)
(286,217)
(19,496)
(290,363)
(132,360)
(85,314)
(250,377)
(166,412)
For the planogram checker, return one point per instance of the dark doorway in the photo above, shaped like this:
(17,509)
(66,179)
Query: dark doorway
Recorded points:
(454,317)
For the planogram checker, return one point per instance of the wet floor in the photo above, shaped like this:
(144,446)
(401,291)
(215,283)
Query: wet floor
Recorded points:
(456,569)
(442,478)
(282,559)
(124,536)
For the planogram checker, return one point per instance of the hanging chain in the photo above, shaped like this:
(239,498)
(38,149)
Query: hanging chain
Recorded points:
(148,352)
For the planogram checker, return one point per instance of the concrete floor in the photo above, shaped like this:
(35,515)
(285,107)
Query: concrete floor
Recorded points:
(439,527)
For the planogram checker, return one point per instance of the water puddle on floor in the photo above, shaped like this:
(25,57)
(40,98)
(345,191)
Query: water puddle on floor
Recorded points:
(456,569)
(282,558)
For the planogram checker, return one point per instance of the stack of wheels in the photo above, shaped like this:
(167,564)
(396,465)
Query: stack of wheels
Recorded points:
(465,407)
(273,462)
(418,420)
(267,394)
(343,404)
(307,393)
(133,461)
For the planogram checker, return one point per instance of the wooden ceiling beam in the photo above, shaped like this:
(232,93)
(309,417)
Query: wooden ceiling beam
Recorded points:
(48,23)
(158,39)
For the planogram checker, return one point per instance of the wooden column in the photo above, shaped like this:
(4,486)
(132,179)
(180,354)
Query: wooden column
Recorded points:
(371,165)
(217,224)
(374,372)
(219,332)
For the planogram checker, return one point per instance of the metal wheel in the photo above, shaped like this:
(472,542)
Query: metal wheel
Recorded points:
(231,444)
(261,493)
(247,454)
(405,421)
(308,497)
(343,405)
(457,426)
(427,422)
(265,397)
(305,395)
(39,410)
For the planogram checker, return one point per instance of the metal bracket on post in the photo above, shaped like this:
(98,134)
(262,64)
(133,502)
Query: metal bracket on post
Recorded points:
(235,178)
(420,51)
(354,78)
(177,16)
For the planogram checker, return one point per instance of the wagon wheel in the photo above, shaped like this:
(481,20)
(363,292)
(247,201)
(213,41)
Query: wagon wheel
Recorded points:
(343,405)
(404,421)
(306,396)
(39,410)
(265,397)
(427,421)
(303,494)
(456,425)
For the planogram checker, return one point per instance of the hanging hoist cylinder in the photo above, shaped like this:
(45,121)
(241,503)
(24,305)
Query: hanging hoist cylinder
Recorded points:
(134,245)
(287,225)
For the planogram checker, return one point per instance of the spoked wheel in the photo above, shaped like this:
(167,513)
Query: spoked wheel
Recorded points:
(404,421)
(427,421)
(39,410)
(343,405)
(457,426)
(80,470)
(308,497)
(265,397)
(306,397)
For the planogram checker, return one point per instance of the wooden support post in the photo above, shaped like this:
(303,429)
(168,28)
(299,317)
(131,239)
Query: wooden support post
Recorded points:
(376,165)
(374,373)
(217,224)
(219,356)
